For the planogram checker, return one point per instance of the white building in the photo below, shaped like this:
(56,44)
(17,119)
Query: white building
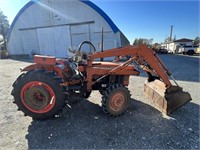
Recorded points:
(52,27)
(175,45)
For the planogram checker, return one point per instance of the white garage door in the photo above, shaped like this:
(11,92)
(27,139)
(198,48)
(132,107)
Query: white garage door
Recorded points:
(46,41)
(62,41)
(54,41)
(79,34)
(29,41)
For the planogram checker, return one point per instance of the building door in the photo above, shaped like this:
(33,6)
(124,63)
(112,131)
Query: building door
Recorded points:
(46,41)
(29,41)
(79,34)
(62,42)
(54,41)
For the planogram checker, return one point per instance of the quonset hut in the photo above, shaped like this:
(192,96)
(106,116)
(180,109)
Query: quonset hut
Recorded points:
(54,27)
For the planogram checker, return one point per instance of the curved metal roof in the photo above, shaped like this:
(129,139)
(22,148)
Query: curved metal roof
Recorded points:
(89,3)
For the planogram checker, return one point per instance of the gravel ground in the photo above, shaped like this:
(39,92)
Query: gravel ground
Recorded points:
(85,126)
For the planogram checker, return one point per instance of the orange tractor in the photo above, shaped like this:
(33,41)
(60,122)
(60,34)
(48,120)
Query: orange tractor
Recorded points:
(45,87)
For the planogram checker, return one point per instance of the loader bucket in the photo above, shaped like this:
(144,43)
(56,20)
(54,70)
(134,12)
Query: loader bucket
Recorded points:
(166,100)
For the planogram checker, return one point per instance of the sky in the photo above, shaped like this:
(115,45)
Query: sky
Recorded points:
(140,18)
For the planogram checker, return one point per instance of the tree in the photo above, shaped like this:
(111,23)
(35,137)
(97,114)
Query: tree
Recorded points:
(197,41)
(4,26)
(135,42)
(174,38)
(167,40)
(140,41)
(143,41)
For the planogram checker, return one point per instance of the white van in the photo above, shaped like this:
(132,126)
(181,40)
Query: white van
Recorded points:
(189,49)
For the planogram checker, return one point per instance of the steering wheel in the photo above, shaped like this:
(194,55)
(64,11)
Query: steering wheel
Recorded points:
(88,43)
(78,57)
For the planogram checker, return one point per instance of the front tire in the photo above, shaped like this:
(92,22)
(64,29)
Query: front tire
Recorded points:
(38,94)
(116,100)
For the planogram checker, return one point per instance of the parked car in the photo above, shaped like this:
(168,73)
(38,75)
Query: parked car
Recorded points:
(189,50)
(162,51)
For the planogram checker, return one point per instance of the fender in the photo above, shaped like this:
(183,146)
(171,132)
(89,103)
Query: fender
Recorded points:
(46,63)
(51,68)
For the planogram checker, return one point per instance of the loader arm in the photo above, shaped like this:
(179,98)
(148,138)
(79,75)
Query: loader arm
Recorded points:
(143,55)
(163,94)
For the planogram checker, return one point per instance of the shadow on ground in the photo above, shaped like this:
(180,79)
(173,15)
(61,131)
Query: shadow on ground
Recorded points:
(85,126)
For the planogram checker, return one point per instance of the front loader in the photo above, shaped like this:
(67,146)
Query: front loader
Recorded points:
(45,87)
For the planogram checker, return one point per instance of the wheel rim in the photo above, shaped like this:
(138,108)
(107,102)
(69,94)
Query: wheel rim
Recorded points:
(38,97)
(118,101)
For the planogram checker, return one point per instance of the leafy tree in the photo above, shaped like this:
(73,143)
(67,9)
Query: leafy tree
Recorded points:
(4,26)
(140,41)
(135,42)
(143,41)
(197,41)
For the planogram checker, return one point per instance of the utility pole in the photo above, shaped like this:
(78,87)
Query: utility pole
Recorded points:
(102,44)
(171,31)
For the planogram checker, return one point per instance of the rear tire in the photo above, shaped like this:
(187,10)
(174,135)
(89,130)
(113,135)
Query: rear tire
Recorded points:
(190,52)
(38,94)
(116,100)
